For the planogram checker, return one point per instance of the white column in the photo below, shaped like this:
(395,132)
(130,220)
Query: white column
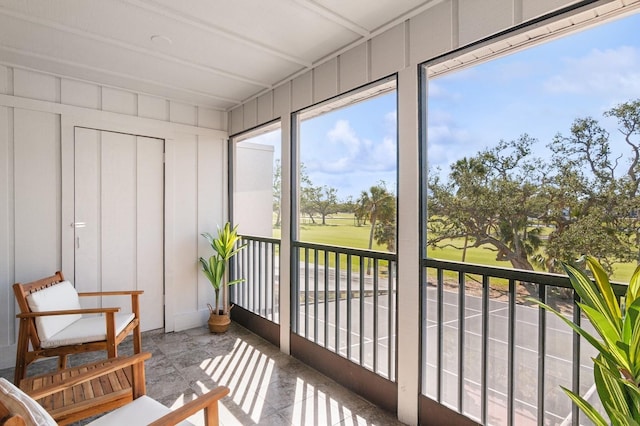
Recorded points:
(408,247)
(285,235)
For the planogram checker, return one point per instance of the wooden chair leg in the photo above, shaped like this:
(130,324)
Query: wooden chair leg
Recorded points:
(21,351)
(62,362)
(137,340)
(211,416)
(137,336)
(112,348)
(138,384)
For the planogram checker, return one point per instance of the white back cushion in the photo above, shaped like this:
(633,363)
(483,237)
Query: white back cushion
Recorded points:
(17,402)
(141,411)
(58,297)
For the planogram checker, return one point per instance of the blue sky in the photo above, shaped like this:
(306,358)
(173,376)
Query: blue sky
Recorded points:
(352,148)
(538,91)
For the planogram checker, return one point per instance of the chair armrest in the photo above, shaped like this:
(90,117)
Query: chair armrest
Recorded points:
(87,375)
(206,401)
(67,312)
(13,420)
(112,293)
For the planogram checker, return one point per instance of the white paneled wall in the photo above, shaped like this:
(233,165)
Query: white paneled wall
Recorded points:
(119,101)
(6,232)
(388,52)
(431,33)
(325,82)
(38,113)
(302,93)
(152,107)
(182,113)
(183,155)
(250,116)
(281,101)
(80,94)
(535,8)
(29,84)
(5,76)
(37,193)
(265,107)
(479,19)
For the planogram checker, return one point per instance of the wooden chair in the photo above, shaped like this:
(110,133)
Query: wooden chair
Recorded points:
(73,394)
(52,320)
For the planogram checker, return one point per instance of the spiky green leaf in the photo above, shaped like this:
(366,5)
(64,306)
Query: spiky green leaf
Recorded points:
(633,291)
(602,281)
(610,390)
(609,333)
(586,408)
(631,336)
(582,332)
(590,294)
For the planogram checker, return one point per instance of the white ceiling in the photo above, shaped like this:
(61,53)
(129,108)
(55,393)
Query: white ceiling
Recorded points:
(214,53)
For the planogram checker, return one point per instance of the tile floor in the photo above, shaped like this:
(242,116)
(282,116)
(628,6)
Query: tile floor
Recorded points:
(267,386)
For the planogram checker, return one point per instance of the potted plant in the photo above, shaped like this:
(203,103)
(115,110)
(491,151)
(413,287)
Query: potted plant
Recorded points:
(215,269)
(616,369)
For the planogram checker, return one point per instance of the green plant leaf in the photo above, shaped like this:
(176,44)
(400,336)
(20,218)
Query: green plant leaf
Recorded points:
(592,340)
(602,281)
(611,392)
(623,419)
(590,294)
(586,408)
(603,326)
(633,291)
(236,281)
(631,336)
(225,246)
(633,395)
(206,269)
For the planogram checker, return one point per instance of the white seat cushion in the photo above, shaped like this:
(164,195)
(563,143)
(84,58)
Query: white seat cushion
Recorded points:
(58,297)
(18,402)
(86,329)
(141,411)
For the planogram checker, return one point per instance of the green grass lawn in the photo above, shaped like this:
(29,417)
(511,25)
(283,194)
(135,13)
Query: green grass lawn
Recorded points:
(341,230)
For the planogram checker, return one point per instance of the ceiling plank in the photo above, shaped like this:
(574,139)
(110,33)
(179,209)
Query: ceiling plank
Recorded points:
(221,32)
(130,47)
(333,17)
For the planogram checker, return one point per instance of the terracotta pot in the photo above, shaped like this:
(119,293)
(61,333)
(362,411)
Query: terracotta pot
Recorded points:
(218,323)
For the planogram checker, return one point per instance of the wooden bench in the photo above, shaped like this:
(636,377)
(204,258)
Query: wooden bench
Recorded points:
(73,394)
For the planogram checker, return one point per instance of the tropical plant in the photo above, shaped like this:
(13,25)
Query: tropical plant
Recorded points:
(225,246)
(616,369)
(378,205)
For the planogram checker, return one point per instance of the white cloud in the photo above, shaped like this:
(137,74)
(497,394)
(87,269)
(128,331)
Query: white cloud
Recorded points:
(611,72)
(343,134)
(446,140)
(355,153)
(438,91)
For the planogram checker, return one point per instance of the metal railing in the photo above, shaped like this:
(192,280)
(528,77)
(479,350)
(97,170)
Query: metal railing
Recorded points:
(345,300)
(258,264)
(492,355)
(488,352)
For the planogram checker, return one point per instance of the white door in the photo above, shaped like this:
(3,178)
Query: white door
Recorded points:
(119,219)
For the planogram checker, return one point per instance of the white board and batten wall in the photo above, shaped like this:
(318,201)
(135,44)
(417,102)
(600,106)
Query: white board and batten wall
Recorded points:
(40,116)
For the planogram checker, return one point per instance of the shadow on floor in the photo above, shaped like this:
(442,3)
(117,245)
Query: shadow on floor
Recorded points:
(267,386)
